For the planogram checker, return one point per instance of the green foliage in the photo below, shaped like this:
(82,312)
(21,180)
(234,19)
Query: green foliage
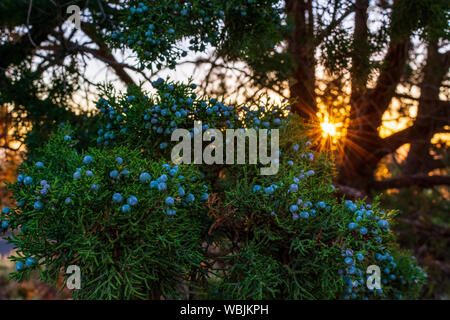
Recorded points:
(427,17)
(279,236)
(212,231)
(425,212)
(38,107)
(124,254)
(37,84)
(154,29)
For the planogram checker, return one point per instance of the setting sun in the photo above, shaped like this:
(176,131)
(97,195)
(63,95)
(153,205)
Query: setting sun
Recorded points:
(329,129)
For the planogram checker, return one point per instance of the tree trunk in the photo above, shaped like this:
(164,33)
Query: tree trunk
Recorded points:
(419,159)
(302,47)
(363,147)
(361,51)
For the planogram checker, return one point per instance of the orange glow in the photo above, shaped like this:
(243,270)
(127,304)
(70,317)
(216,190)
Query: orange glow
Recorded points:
(329,129)
(332,123)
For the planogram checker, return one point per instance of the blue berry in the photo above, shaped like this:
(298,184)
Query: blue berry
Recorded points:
(190,197)
(321,205)
(257,188)
(309,173)
(363,230)
(39,165)
(6,210)
(67,200)
(77,175)
(383,223)
(87,160)
(162,178)
(162,186)
(169,201)
(89,174)
(145,177)
(132,201)
(126,208)
(348,260)
(268,190)
(117,197)
(5,225)
(94,187)
(19,265)
(171,211)
(119,161)
(38,205)
(204,197)
(28,180)
(114,174)
(293,208)
(30,262)
(352,226)
(154,184)
(304,214)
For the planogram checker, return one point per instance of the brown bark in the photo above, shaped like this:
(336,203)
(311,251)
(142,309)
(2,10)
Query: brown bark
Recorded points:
(429,109)
(105,54)
(363,147)
(361,52)
(301,46)
(423,181)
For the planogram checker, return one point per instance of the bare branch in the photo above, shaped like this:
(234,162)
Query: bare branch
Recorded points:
(28,24)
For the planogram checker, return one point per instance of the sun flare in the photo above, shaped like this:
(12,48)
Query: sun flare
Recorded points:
(328,129)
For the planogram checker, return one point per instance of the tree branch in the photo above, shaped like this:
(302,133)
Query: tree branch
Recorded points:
(333,24)
(104,54)
(423,181)
(349,192)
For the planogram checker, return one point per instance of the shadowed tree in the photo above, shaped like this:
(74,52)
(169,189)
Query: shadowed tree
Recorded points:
(291,48)
(44,62)
(330,40)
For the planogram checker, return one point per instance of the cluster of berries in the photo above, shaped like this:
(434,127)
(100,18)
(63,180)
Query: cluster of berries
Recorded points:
(202,21)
